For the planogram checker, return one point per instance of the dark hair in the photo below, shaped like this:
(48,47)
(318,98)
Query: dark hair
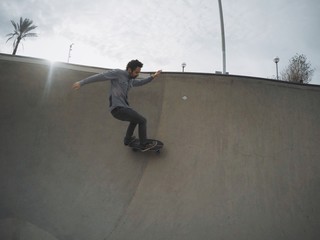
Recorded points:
(133,64)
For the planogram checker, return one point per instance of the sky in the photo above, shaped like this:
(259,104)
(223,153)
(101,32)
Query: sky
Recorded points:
(163,34)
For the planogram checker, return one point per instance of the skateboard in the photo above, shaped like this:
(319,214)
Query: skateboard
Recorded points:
(135,145)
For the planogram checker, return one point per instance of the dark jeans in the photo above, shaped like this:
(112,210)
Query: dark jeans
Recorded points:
(129,115)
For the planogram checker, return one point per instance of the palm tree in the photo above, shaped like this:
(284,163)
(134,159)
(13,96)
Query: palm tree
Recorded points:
(21,31)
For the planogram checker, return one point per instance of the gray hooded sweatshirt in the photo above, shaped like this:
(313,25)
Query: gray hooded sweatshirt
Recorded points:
(121,83)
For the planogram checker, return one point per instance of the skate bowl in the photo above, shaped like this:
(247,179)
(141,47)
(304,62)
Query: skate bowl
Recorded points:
(240,161)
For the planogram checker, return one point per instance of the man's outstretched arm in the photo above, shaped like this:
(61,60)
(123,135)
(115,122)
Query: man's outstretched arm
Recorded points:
(96,78)
(137,83)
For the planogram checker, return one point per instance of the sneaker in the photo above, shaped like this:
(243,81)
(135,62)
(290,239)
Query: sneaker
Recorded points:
(128,141)
(148,146)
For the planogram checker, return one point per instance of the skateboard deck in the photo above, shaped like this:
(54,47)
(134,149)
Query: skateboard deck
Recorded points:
(135,145)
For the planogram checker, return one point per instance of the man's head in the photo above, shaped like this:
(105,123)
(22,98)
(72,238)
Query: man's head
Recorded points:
(134,68)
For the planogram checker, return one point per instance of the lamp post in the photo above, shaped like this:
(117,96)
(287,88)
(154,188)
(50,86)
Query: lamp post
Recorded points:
(223,39)
(276,60)
(70,49)
(183,65)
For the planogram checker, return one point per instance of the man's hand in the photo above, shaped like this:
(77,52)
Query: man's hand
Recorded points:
(76,86)
(156,74)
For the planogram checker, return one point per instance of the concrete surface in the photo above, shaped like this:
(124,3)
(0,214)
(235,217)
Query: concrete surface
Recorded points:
(241,158)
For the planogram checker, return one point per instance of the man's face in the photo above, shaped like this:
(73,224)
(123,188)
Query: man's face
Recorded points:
(134,73)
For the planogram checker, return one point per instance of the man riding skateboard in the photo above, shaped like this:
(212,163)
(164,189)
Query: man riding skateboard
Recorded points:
(121,82)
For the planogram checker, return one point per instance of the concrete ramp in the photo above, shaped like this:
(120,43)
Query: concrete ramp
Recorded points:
(241,158)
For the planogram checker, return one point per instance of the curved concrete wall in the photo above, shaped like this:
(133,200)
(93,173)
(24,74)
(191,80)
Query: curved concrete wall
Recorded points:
(241,158)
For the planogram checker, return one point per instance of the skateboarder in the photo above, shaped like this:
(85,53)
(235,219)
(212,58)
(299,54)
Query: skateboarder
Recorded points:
(121,82)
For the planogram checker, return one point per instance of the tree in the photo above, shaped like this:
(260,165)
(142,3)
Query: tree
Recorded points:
(299,70)
(21,31)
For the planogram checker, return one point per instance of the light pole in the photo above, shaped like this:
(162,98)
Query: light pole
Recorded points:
(183,65)
(222,38)
(70,49)
(276,60)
